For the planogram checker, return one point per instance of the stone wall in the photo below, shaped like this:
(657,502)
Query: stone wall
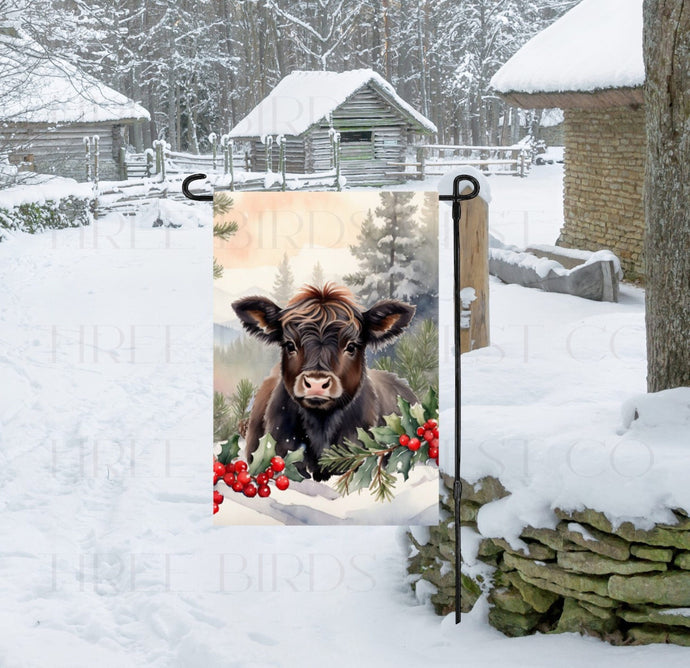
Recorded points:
(604,177)
(623,584)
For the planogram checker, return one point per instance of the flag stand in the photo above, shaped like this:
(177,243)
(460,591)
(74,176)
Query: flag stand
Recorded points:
(456,198)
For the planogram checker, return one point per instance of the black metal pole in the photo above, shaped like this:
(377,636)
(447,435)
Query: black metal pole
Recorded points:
(189,194)
(456,198)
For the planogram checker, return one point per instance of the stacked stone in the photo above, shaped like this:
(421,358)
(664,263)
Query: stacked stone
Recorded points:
(604,177)
(622,584)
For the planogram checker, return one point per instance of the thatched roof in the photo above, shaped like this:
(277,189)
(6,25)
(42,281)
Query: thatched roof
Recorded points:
(303,99)
(37,87)
(591,57)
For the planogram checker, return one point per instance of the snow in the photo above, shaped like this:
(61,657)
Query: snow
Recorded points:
(46,188)
(304,98)
(596,45)
(108,554)
(54,90)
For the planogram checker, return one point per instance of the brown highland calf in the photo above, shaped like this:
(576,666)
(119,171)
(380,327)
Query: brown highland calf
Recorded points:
(322,390)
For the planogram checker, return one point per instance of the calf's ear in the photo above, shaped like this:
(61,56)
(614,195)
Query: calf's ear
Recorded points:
(386,320)
(260,317)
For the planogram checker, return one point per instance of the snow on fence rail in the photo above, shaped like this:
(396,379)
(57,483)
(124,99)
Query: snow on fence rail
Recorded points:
(437,159)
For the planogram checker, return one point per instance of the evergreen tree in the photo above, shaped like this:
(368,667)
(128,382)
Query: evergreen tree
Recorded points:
(317,277)
(386,252)
(284,283)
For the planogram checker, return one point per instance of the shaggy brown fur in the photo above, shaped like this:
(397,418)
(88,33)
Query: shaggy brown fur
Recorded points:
(322,391)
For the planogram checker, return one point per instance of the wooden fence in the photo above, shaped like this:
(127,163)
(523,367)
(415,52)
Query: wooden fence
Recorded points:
(437,159)
(161,162)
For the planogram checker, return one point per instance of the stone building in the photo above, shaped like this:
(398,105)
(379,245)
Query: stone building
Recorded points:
(589,63)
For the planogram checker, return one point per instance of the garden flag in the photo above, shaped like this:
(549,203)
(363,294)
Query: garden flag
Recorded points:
(325,379)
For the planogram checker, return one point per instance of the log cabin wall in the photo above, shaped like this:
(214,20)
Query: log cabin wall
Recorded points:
(60,150)
(364,161)
(295,154)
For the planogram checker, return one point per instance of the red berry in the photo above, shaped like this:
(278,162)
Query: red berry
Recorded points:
(215,478)
(230,468)
(433,443)
(414,444)
(433,453)
(228,479)
(428,436)
(217,497)
(432,423)
(262,479)
(240,466)
(215,508)
(282,482)
(250,490)
(404,440)
(244,477)
(420,431)
(269,472)
(219,469)
(237,486)
(277,463)
(434,431)
(264,491)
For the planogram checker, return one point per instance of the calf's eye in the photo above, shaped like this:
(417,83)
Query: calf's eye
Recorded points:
(289,347)
(350,348)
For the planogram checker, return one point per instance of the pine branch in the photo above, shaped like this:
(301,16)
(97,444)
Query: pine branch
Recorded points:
(225,230)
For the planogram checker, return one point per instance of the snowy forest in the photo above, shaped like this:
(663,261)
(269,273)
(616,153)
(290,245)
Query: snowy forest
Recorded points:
(200,67)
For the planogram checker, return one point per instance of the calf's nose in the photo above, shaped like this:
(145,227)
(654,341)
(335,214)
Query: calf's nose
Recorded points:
(316,385)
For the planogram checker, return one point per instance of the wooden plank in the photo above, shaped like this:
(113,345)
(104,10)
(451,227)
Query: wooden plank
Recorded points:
(474,270)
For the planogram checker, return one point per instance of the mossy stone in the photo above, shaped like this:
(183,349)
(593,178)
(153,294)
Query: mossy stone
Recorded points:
(671,588)
(649,553)
(558,575)
(596,564)
(603,543)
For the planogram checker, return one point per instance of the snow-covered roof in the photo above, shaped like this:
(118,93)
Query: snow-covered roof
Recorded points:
(37,87)
(304,98)
(595,46)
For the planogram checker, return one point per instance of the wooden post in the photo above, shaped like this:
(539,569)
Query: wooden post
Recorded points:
(283,162)
(96,156)
(214,148)
(87,156)
(474,272)
(421,159)
(335,144)
(231,164)
(123,163)
(149,163)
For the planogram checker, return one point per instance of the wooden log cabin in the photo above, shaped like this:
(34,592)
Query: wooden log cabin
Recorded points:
(375,125)
(600,89)
(48,106)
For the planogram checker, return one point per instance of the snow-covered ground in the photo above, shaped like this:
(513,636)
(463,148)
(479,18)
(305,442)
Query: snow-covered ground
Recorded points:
(107,553)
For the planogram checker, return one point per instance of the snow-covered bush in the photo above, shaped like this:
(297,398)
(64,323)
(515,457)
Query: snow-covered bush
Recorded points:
(33,217)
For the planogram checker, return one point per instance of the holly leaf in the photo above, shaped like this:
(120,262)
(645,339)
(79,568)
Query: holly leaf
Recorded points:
(367,441)
(430,403)
(400,462)
(261,458)
(293,457)
(385,435)
(393,422)
(361,479)
(406,419)
(417,412)
(230,449)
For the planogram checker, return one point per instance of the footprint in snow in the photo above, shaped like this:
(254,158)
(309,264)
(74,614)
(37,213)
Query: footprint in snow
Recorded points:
(262,639)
